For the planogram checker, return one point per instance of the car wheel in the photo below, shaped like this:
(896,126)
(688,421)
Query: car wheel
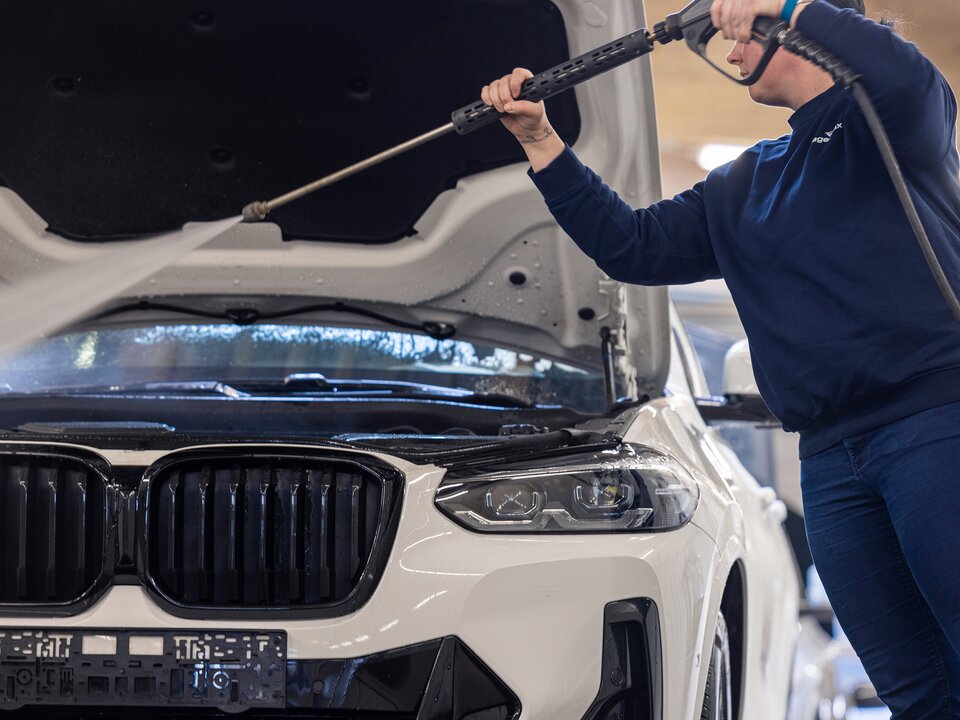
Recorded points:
(716,697)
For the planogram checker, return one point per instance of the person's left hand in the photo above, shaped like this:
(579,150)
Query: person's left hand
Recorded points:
(734,18)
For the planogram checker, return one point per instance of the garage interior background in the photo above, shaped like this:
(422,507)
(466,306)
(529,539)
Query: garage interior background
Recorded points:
(696,107)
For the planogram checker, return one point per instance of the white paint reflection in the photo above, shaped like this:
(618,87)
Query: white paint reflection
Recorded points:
(428,599)
(444,573)
(423,540)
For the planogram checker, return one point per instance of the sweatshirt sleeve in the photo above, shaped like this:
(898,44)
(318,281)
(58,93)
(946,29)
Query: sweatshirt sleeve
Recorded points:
(664,244)
(911,96)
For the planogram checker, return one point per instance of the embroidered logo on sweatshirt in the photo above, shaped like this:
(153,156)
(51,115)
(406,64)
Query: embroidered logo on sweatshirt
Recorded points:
(828,136)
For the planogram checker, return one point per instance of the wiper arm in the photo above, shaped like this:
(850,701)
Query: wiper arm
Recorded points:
(320,381)
(214,387)
(193,387)
(397,389)
(249,316)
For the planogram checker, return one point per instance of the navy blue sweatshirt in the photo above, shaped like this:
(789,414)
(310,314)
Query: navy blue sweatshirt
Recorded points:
(847,328)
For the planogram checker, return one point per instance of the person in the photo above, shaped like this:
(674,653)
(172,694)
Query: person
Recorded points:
(853,345)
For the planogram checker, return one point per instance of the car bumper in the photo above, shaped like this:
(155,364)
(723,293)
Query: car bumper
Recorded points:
(529,610)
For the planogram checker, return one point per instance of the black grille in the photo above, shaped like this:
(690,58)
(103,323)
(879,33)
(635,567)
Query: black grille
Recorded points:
(53,526)
(263,531)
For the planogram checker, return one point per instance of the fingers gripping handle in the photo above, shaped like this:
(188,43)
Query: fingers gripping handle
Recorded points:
(559,78)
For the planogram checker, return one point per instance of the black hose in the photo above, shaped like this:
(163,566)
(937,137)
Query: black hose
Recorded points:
(794,42)
(893,167)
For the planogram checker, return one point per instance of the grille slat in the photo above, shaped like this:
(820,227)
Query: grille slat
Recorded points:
(48,489)
(316,564)
(234,549)
(22,490)
(226,493)
(265,533)
(269,531)
(288,532)
(343,531)
(356,526)
(205,540)
(251,534)
(53,534)
(78,484)
(328,489)
(281,533)
(171,539)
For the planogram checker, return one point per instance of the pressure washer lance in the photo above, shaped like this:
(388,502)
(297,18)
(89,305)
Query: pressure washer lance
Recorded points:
(694,24)
(477,115)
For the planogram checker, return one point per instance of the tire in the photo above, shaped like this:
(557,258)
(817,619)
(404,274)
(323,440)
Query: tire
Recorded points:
(717,697)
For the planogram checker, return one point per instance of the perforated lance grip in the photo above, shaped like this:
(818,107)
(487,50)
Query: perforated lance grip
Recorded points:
(798,44)
(559,78)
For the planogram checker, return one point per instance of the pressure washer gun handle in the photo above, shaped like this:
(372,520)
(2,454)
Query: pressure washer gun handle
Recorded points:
(694,24)
(559,78)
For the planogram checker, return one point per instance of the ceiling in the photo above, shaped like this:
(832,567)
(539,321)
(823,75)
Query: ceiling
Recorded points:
(696,106)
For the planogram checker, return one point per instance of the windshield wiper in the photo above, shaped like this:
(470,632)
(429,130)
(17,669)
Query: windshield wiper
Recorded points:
(248,316)
(307,384)
(317,382)
(192,387)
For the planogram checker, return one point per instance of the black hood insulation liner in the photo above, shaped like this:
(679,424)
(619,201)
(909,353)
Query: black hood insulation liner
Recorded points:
(125,118)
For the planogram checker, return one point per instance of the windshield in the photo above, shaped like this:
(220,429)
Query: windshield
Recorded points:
(231,354)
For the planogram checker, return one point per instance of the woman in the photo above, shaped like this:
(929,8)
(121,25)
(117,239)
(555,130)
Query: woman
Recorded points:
(853,345)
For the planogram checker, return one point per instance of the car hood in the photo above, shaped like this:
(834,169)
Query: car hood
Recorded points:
(126,120)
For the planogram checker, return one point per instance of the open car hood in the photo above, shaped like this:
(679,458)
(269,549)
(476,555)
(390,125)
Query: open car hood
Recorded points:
(125,120)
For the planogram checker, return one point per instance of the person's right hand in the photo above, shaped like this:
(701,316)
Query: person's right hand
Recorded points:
(523,118)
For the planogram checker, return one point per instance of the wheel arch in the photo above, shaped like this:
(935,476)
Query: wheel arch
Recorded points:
(733,605)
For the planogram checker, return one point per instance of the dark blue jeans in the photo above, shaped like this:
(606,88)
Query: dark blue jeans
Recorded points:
(882,511)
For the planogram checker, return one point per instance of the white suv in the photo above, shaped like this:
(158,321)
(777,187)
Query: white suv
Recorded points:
(399,452)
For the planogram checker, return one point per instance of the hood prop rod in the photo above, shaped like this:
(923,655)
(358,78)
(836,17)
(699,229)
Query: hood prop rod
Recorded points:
(609,372)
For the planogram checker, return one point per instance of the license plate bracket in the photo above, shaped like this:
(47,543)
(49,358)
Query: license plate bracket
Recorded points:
(232,670)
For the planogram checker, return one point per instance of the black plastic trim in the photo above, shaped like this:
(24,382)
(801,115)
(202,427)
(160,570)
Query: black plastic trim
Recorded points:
(101,468)
(439,679)
(393,484)
(476,459)
(436,680)
(291,419)
(737,408)
(631,676)
(236,670)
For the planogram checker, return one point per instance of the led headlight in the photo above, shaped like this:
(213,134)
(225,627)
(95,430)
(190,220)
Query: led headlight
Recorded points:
(626,489)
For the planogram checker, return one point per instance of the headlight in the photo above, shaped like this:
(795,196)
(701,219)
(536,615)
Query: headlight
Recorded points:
(626,489)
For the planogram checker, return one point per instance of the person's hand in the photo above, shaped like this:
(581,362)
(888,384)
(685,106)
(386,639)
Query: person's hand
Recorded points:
(524,119)
(734,18)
